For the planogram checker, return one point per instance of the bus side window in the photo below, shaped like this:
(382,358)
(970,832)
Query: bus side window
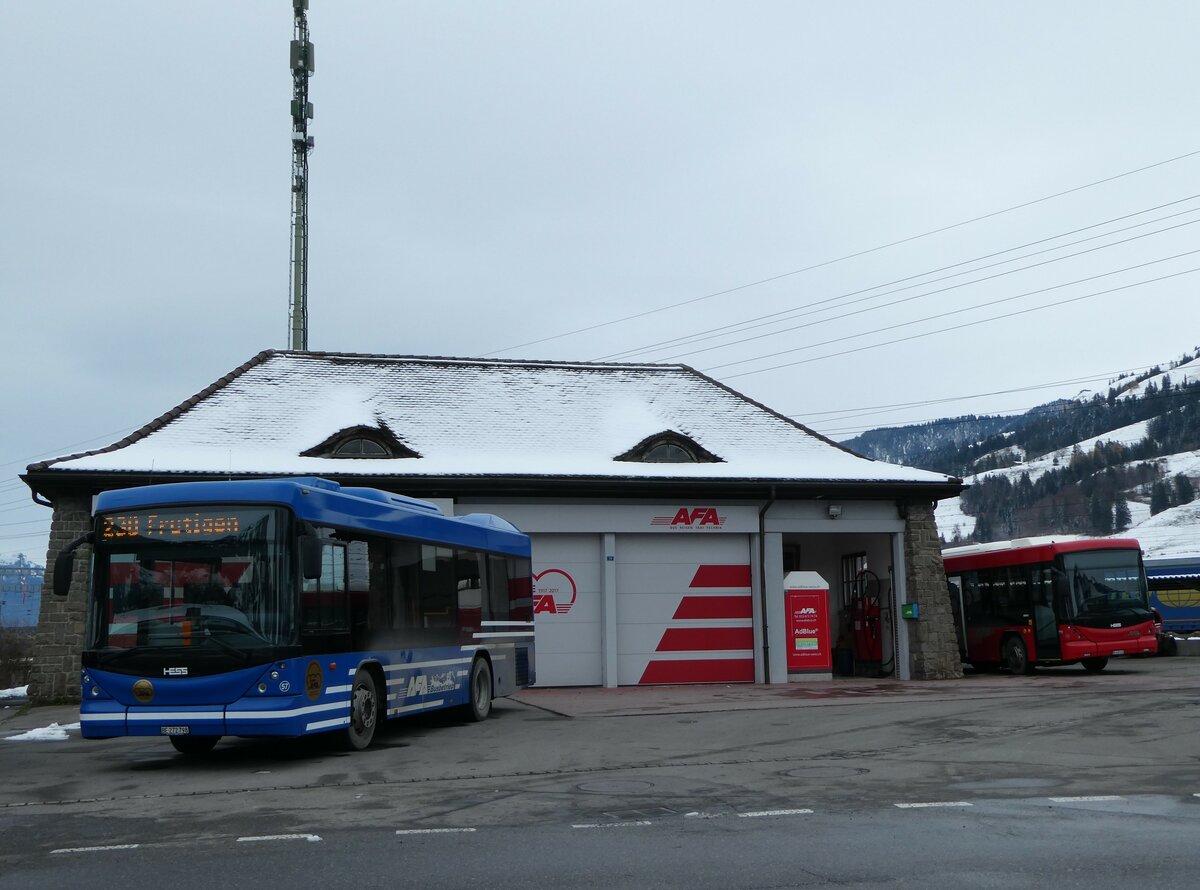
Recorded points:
(497,589)
(439,598)
(325,597)
(404,587)
(468,578)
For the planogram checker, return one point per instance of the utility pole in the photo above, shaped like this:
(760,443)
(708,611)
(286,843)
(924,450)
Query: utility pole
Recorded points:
(302,64)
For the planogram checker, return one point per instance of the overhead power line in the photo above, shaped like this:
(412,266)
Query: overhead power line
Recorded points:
(815,306)
(953,327)
(940,290)
(849,256)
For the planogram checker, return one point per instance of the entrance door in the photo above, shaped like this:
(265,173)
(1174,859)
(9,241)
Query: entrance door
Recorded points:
(1045,623)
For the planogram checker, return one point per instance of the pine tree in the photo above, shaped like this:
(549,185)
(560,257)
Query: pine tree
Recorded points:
(1100,513)
(1184,492)
(1160,498)
(1122,518)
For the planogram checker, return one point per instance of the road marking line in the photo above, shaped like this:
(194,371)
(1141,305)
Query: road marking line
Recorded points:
(1086,799)
(760,813)
(96,849)
(311,838)
(934,803)
(699,815)
(639,823)
(434,830)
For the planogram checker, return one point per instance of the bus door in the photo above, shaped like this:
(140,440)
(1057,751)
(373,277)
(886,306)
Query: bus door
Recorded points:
(1045,621)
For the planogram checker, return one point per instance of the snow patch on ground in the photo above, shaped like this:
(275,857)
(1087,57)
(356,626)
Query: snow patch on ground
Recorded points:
(51,733)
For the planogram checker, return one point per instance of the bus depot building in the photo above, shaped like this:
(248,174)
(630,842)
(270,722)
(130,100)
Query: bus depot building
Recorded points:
(682,533)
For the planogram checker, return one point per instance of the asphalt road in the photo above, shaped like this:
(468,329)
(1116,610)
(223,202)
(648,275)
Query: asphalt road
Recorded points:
(1060,779)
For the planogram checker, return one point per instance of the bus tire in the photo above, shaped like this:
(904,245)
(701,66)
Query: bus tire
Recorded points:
(479,688)
(1166,646)
(364,711)
(1015,656)
(1094,665)
(194,745)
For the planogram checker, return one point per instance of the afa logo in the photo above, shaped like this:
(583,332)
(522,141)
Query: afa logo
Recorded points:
(554,591)
(691,518)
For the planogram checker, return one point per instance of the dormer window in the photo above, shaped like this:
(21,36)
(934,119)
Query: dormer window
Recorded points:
(360,446)
(359,443)
(668,453)
(669,447)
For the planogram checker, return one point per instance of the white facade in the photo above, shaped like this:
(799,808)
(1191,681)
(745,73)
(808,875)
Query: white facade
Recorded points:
(646,593)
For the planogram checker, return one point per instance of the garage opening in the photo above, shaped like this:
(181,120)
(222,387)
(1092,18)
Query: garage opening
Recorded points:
(862,608)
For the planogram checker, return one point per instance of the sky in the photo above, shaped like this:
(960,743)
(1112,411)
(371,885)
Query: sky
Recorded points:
(872,213)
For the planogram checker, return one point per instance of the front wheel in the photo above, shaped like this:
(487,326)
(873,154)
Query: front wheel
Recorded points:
(194,745)
(364,711)
(1094,665)
(1015,656)
(480,689)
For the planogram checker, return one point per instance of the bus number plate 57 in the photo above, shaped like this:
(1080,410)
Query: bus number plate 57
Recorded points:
(175,730)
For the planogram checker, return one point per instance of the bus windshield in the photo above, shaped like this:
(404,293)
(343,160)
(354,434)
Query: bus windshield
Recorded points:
(1105,586)
(193,579)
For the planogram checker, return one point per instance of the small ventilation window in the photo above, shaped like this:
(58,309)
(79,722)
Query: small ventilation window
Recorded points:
(668,448)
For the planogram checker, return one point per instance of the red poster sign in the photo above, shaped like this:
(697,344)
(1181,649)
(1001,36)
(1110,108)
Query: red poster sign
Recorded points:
(808,630)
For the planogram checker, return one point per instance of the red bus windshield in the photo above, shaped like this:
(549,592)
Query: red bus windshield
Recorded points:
(1104,587)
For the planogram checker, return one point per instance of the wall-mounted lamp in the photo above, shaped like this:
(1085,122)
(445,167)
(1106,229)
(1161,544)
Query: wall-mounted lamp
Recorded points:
(835,510)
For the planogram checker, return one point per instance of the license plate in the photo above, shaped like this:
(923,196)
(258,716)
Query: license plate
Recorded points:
(1118,652)
(175,730)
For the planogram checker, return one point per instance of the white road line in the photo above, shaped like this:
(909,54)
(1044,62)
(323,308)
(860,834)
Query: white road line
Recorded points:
(613,824)
(1087,799)
(699,815)
(934,803)
(311,838)
(434,830)
(760,813)
(96,849)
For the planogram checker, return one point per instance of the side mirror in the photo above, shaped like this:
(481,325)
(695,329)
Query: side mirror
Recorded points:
(310,557)
(64,564)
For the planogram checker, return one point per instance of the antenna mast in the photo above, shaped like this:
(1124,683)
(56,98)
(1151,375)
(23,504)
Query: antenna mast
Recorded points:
(302,64)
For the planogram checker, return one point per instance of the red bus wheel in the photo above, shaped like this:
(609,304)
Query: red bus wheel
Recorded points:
(1015,656)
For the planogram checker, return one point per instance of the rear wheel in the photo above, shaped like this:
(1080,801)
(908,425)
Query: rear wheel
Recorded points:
(194,745)
(480,689)
(1094,665)
(364,711)
(1015,656)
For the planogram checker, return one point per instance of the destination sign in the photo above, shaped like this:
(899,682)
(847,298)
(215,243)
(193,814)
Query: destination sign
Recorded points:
(169,525)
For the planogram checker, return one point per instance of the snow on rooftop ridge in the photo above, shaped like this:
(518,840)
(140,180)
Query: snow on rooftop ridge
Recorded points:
(477,418)
(463,360)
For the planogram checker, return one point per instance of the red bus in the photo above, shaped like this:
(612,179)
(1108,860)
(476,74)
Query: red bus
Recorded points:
(1050,601)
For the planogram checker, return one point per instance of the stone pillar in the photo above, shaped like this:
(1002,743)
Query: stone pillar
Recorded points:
(59,639)
(933,642)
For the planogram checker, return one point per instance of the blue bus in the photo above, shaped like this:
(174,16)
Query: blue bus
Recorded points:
(1175,592)
(283,607)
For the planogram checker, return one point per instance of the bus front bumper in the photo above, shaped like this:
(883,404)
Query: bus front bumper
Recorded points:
(290,716)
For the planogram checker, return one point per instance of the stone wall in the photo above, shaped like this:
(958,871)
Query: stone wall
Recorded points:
(59,640)
(933,642)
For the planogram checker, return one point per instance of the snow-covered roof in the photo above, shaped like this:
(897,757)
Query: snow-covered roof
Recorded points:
(473,417)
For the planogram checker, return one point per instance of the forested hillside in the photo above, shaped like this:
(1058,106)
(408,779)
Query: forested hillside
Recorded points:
(1084,466)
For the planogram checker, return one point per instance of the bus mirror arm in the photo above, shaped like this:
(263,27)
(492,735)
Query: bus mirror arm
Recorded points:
(310,557)
(64,564)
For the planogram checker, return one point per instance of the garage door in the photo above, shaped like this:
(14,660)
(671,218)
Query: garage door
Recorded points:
(567,598)
(684,609)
